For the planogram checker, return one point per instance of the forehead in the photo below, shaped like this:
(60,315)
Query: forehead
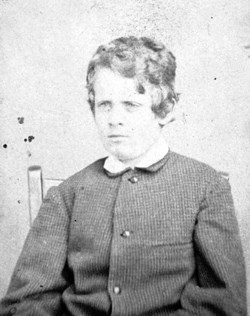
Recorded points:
(109,84)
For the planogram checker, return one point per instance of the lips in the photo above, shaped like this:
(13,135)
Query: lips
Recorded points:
(117,136)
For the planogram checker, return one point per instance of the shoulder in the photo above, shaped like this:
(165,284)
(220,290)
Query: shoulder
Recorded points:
(91,174)
(199,180)
(194,170)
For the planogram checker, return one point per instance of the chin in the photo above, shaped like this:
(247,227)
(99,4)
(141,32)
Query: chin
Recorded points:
(123,155)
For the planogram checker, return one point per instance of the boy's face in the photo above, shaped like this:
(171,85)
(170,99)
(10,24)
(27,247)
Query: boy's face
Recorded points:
(126,123)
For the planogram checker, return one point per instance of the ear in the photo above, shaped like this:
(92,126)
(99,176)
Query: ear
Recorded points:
(169,116)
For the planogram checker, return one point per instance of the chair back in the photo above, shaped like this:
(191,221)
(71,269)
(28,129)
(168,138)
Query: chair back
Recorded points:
(38,187)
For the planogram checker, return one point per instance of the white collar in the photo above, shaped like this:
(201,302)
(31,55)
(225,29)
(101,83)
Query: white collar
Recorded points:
(153,155)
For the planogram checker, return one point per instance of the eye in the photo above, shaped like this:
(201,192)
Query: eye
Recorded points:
(104,106)
(132,106)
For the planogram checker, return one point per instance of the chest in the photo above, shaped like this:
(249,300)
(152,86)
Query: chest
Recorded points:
(154,211)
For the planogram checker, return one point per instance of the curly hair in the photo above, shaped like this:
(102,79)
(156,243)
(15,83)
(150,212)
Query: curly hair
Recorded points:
(144,59)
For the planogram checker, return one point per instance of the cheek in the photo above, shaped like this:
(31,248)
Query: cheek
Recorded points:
(145,124)
(100,123)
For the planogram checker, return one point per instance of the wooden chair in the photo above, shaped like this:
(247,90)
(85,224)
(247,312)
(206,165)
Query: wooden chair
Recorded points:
(38,187)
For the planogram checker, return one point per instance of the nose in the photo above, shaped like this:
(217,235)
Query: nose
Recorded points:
(116,116)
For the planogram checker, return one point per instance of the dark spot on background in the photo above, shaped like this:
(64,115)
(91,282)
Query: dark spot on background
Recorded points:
(20,120)
(5,146)
(19,202)
(30,138)
(29,153)
(212,17)
(247,46)
(215,78)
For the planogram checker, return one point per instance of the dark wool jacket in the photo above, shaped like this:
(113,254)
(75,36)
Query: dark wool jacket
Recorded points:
(156,241)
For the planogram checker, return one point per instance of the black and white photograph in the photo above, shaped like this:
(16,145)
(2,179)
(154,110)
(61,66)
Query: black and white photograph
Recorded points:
(124,158)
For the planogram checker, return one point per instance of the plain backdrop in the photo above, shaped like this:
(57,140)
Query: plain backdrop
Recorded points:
(45,50)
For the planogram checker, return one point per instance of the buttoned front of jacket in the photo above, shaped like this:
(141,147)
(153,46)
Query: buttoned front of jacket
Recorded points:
(151,255)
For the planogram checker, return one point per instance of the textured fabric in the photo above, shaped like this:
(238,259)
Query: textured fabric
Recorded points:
(157,152)
(157,241)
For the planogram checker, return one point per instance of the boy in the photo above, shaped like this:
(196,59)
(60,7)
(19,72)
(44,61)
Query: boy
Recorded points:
(145,231)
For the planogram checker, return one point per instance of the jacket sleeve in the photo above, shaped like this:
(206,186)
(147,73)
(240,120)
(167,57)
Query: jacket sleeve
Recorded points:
(40,275)
(219,283)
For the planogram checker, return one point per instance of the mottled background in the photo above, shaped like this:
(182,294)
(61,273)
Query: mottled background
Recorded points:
(44,116)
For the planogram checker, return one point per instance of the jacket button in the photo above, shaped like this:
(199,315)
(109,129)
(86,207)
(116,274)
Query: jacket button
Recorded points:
(133,179)
(117,290)
(126,233)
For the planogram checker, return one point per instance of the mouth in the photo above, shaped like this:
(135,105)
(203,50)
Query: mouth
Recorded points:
(117,138)
(114,136)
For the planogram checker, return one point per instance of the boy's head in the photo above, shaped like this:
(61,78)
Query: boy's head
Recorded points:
(148,62)
(131,91)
